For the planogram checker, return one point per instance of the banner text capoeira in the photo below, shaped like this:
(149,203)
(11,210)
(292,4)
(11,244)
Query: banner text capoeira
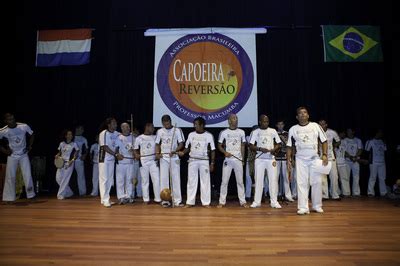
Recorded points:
(205,72)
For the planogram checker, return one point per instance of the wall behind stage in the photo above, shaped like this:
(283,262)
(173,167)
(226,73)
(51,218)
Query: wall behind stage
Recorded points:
(119,79)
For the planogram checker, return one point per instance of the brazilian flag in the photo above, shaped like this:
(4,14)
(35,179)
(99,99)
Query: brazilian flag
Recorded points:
(352,44)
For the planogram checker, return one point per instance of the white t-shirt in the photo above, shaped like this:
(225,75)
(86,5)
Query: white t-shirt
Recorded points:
(126,148)
(164,137)
(378,150)
(111,140)
(147,146)
(199,144)
(265,138)
(331,135)
(352,146)
(340,153)
(94,149)
(66,149)
(306,140)
(233,141)
(82,143)
(16,138)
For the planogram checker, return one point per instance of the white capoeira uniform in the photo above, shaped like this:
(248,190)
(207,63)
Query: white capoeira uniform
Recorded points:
(63,175)
(80,165)
(352,147)
(149,168)
(331,135)
(170,166)
(124,171)
(17,142)
(234,139)
(199,163)
(94,150)
(106,166)
(343,168)
(265,138)
(377,166)
(306,140)
(283,177)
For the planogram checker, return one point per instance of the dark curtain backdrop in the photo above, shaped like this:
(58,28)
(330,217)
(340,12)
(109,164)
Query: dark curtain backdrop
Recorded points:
(119,79)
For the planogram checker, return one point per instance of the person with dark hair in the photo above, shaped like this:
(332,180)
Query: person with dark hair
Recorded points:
(82,143)
(199,141)
(265,141)
(354,148)
(68,150)
(108,142)
(305,136)
(17,151)
(170,140)
(377,166)
(232,143)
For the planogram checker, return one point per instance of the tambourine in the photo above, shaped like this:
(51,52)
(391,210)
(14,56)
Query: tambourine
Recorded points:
(59,162)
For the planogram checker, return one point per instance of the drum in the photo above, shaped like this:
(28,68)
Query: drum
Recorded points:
(59,162)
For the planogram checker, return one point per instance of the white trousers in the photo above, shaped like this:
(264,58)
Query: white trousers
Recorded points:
(249,182)
(284,178)
(11,175)
(194,168)
(377,169)
(63,176)
(124,180)
(150,169)
(175,173)
(354,168)
(137,190)
(334,183)
(306,177)
(260,165)
(344,175)
(80,175)
(106,180)
(228,166)
(95,180)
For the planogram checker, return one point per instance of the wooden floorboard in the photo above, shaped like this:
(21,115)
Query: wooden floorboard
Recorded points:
(362,231)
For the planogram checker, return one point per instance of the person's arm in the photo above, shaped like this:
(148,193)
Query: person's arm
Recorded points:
(324,153)
(212,164)
(30,142)
(84,151)
(158,151)
(115,154)
(243,150)
(137,154)
(221,148)
(6,150)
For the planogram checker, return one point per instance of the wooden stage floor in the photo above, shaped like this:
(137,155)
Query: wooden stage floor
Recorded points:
(81,231)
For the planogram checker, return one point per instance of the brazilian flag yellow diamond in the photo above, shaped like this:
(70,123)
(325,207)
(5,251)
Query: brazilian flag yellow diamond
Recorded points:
(353,43)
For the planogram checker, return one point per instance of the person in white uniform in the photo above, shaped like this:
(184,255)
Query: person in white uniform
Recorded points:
(333,142)
(17,155)
(124,171)
(198,143)
(354,148)
(94,158)
(170,140)
(145,150)
(68,150)
(232,143)
(305,136)
(265,141)
(251,155)
(377,166)
(79,164)
(284,184)
(108,142)
(343,168)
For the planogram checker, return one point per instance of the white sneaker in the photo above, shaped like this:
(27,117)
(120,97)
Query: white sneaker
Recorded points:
(107,204)
(255,205)
(319,210)
(60,197)
(290,199)
(302,212)
(276,206)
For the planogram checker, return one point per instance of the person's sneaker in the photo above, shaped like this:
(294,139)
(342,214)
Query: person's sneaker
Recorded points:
(245,205)
(319,210)
(188,206)
(107,204)
(220,206)
(276,206)
(290,199)
(130,200)
(180,204)
(165,204)
(303,212)
(255,205)
(61,197)
(121,201)
(145,203)
(207,206)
